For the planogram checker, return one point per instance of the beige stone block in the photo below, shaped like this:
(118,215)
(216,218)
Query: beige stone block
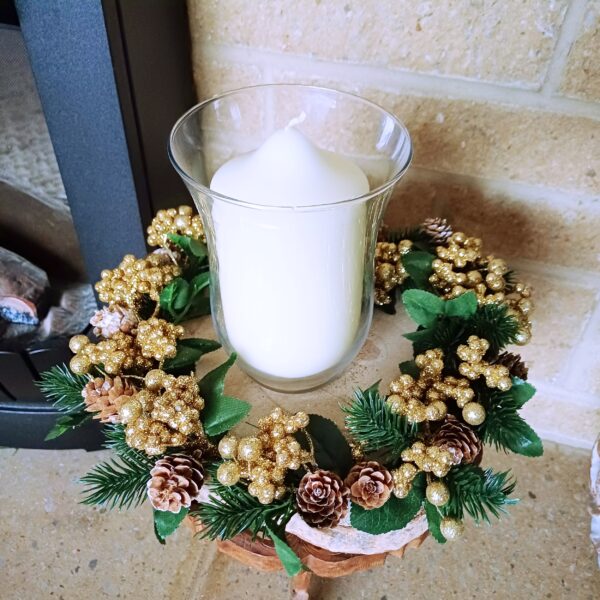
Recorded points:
(501,141)
(556,230)
(562,310)
(585,368)
(509,42)
(581,77)
(485,139)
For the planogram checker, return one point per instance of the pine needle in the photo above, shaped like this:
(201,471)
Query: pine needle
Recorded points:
(117,483)
(63,388)
(477,492)
(115,441)
(374,426)
(233,510)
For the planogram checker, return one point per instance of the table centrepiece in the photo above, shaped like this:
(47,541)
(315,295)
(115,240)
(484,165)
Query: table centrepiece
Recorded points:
(300,493)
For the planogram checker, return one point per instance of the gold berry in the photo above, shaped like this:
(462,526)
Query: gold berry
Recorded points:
(437,493)
(154,379)
(451,528)
(77,343)
(228,473)
(80,364)
(249,449)
(228,447)
(473,413)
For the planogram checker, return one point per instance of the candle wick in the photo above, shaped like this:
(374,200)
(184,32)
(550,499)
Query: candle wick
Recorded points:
(296,120)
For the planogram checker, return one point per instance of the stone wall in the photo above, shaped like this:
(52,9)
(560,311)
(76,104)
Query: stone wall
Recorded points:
(502,100)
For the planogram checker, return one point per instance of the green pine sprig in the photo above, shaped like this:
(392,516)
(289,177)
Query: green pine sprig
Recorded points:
(233,510)
(503,427)
(118,483)
(63,388)
(115,440)
(374,426)
(477,492)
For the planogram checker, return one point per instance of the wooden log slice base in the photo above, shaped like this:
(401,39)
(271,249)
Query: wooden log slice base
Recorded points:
(260,554)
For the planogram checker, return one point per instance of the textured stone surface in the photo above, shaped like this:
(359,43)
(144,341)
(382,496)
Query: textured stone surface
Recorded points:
(508,42)
(536,226)
(498,141)
(53,547)
(581,77)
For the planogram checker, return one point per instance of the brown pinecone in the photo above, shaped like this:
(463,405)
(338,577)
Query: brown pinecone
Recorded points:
(111,319)
(176,481)
(370,484)
(322,499)
(459,439)
(437,230)
(104,396)
(514,363)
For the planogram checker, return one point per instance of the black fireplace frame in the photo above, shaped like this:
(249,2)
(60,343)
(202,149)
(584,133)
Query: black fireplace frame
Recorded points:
(113,76)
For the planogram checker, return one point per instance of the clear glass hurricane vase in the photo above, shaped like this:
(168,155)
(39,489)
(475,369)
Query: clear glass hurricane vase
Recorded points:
(291,286)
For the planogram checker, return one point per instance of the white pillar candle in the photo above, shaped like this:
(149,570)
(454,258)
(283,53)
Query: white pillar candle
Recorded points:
(291,281)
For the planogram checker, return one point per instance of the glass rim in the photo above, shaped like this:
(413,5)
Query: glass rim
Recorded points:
(380,189)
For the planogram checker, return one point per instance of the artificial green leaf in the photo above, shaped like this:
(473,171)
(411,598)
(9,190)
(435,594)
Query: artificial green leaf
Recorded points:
(409,367)
(171,294)
(159,539)
(423,307)
(191,246)
(395,514)
(182,297)
(332,451)
(66,423)
(463,306)
(418,266)
(189,351)
(224,413)
(526,441)
(199,282)
(521,391)
(433,521)
(166,522)
(221,412)
(289,559)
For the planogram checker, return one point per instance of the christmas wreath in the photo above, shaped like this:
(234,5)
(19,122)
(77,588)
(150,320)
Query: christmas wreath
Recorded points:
(415,447)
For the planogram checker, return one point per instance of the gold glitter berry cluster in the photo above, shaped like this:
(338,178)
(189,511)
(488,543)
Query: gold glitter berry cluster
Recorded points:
(389,271)
(149,342)
(179,221)
(134,278)
(165,413)
(424,398)
(460,267)
(264,460)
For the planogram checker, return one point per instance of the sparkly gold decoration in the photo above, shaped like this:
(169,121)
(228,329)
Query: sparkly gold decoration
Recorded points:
(473,367)
(168,416)
(430,459)
(228,473)
(424,399)
(133,278)
(157,338)
(180,221)
(389,271)
(117,354)
(403,477)
(451,529)
(77,343)
(437,493)
(460,267)
(264,460)
(473,413)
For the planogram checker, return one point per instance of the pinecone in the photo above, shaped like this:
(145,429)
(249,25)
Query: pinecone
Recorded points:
(322,499)
(370,484)
(104,396)
(437,230)
(514,363)
(111,319)
(459,439)
(176,481)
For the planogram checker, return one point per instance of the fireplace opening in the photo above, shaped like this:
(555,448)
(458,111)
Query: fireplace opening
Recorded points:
(44,294)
